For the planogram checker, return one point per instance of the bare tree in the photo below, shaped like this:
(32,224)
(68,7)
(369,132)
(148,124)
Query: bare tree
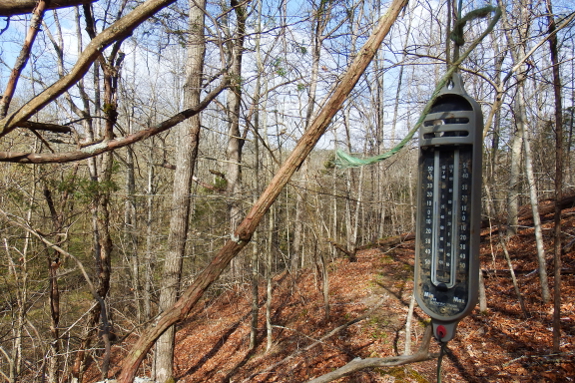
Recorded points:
(553,47)
(522,136)
(187,152)
(235,136)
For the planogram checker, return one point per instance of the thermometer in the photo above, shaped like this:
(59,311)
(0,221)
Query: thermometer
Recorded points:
(449,209)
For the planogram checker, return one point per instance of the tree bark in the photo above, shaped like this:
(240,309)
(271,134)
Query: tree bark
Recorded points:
(245,230)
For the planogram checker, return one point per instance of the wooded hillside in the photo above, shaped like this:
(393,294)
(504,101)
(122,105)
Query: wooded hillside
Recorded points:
(370,300)
(160,156)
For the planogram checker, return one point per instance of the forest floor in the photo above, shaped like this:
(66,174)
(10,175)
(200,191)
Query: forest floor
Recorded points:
(501,345)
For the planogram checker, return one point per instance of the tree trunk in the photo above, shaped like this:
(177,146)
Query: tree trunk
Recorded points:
(150,259)
(130,226)
(189,134)
(101,175)
(104,263)
(514,184)
(268,272)
(255,117)
(514,169)
(235,139)
(53,265)
(520,118)
(553,45)
(318,26)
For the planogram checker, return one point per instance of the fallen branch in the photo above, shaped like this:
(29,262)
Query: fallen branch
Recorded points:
(318,341)
(388,243)
(349,253)
(360,364)
(548,356)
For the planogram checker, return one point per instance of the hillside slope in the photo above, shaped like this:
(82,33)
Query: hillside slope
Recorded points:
(498,346)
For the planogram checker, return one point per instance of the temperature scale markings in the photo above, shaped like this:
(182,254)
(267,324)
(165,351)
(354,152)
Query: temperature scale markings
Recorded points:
(445,232)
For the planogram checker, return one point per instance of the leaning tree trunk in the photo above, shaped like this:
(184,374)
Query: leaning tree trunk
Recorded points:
(243,234)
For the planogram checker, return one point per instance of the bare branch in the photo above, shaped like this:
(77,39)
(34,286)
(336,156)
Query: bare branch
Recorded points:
(23,57)
(18,7)
(46,127)
(117,31)
(106,146)
(518,65)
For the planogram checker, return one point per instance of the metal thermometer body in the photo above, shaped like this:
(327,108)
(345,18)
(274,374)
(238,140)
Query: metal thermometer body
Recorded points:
(449,209)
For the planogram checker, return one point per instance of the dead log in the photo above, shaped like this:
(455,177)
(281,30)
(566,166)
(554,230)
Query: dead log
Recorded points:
(351,254)
(358,364)
(390,242)
(547,207)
